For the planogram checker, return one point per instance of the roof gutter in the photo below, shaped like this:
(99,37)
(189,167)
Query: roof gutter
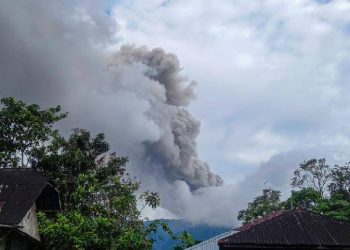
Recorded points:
(11,227)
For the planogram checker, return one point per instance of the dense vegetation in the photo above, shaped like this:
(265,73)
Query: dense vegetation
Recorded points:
(98,197)
(316,186)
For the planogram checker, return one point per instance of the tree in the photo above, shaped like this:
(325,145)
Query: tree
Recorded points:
(98,196)
(336,207)
(340,181)
(68,162)
(338,203)
(307,198)
(314,174)
(24,128)
(321,189)
(262,205)
(187,241)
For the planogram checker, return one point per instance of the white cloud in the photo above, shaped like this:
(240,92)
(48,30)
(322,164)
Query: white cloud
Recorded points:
(272,74)
(273,86)
(272,91)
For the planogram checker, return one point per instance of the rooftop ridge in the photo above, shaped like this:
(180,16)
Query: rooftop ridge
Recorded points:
(340,221)
(258,221)
(24,169)
(19,168)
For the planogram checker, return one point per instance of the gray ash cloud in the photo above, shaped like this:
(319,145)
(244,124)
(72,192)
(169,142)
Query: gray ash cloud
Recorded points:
(176,149)
(59,53)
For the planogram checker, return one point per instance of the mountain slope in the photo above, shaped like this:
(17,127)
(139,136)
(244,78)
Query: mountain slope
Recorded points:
(200,232)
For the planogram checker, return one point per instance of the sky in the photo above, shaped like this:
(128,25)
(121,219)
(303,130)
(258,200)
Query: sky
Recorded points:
(211,100)
(272,75)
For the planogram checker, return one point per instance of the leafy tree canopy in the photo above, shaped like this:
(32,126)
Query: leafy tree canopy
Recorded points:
(24,128)
(307,198)
(316,186)
(187,241)
(98,196)
(262,205)
(340,183)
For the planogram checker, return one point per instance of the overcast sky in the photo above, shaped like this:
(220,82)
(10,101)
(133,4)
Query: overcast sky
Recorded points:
(272,75)
(272,88)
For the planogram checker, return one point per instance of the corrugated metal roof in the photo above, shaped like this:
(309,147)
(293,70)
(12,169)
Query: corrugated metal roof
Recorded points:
(211,244)
(293,228)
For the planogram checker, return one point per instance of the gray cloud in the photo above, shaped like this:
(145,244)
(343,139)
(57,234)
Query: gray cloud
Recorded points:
(58,53)
(161,67)
(272,72)
(270,82)
(176,149)
(225,201)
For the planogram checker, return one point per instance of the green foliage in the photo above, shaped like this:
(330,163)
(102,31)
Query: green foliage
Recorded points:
(153,227)
(340,184)
(72,230)
(307,198)
(84,171)
(336,206)
(320,188)
(24,128)
(262,205)
(187,240)
(98,196)
(150,199)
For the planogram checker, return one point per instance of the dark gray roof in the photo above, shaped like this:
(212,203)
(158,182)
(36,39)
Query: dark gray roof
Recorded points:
(297,228)
(19,189)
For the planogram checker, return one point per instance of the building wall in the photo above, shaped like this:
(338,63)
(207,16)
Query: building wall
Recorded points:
(3,244)
(29,223)
(22,237)
(3,237)
(15,240)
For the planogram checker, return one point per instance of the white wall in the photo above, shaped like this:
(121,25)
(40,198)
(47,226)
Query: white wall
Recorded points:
(29,223)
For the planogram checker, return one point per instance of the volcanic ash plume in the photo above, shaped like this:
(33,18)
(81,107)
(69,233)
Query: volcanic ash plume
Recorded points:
(175,151)
(136,96)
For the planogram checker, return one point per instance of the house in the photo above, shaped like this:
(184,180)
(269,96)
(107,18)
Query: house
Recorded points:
(295,229)
(23,192)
